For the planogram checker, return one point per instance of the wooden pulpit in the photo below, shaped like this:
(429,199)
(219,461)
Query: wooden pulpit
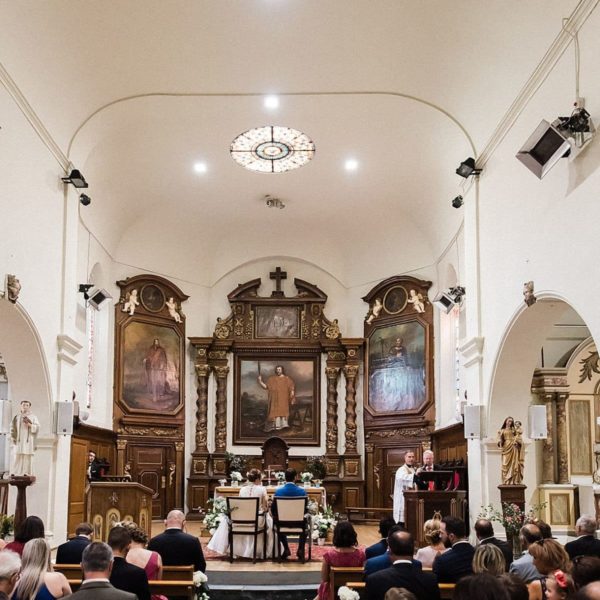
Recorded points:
(108,502)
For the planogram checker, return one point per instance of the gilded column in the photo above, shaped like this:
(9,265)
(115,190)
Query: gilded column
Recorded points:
(350,372)
(332,374)
(177,473)
(202,374)
(561,438)
(221,412)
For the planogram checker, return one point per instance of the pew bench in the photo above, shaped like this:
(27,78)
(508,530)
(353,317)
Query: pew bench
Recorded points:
(157,586)
(170,573)
(446,589)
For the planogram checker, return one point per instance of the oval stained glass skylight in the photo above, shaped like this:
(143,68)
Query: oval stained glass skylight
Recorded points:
(272,149)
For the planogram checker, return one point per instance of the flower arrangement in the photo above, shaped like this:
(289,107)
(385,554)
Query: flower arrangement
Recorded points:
(345,593)
(235,462)
(316,465)
(236,476)
(306,476)
(324,522)
(512,517)
(280,476)
(216,513)
(6,525)
(200,583)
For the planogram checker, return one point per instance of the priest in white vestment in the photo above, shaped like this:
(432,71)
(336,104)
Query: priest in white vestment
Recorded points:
(23,433)
(404,481)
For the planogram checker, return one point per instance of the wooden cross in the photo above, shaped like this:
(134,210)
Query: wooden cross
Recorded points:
(278,275)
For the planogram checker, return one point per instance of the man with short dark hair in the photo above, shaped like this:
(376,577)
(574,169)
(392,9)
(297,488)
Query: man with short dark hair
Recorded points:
(383,561)
(455,563)
(70,552)
(402,573)
(523,566)
(10,565)
(586,543)
(96,562)
(289,490)
(125,576)
(485,534)
(385,524)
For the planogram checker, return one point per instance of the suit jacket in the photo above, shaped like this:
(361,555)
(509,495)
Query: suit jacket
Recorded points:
(376,549)
(383,561)
(422,585)
(523,567)
(130,578)
(100,590)
(504,546)
(290,489)
(455,563)
(178,548)
(70,552)
(586,545)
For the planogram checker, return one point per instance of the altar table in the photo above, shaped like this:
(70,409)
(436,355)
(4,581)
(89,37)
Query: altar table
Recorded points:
(317,494)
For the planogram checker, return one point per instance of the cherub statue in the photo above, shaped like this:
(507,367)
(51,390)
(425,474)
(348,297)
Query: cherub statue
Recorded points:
(13,287)
(374,311)
(172,307)
(528,296)
(417,301)
(131,302)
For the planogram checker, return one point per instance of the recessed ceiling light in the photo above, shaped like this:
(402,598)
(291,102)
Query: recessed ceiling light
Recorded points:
(200,167)
(271,102)
(351,164)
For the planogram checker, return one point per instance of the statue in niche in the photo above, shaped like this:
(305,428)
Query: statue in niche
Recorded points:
(417,301)
(173,309)
(374,311)
(510,442)
(130,304)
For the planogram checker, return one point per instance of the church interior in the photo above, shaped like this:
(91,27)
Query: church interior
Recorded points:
(390,206)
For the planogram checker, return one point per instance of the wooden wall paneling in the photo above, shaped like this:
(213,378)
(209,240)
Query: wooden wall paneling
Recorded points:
(580,425)
(77,483)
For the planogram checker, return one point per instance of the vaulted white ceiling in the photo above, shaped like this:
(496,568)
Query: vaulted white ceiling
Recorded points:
(136,91)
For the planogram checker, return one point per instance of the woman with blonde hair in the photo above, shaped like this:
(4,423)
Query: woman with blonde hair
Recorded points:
(548,557)
(38,581)
(433,537)
(489,559)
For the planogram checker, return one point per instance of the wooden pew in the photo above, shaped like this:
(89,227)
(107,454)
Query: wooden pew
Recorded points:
(363,514)
(157,586)
(446,589)
(339,576)
(170,573)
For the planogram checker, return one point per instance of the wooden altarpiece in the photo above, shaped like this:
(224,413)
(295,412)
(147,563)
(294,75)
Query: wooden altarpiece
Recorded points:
(399,408)
(149,390)
(260,333)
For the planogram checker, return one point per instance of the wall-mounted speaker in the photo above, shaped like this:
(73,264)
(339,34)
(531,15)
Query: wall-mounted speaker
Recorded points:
(63,418)
(472,421)
(538,429)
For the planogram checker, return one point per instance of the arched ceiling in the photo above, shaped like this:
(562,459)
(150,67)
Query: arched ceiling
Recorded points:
(136,91)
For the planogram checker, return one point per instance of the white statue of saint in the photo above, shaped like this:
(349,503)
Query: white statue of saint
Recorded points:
(23,433)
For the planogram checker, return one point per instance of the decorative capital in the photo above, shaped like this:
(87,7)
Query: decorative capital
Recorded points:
(351,371)
(221,372)
(332,372)
(203,370)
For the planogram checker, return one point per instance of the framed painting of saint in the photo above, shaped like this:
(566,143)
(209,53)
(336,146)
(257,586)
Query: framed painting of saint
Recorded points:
(277,395)
(397,367)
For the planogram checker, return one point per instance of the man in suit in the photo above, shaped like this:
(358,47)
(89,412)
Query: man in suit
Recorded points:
(380,547)
(383,561)
(402,573)
(485,534)
(94,470)
(428,465)
(176,547)
(523,566)
(586,543)
(455,563)
(290,490)
(97,562)
(10,566)
(125,576)
(70,552)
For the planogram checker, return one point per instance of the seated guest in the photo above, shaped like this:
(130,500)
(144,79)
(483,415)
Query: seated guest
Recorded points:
(515,586)
(139,555)
(589,592)
(380,547)
(489,559)
(32,527)
(585,569)
(559,586)
(383,561)
(10,565)
(523,566)
(402,573)
(399,594)
(548,556)
(433,537)
(586,543)
(545,529)
(485,534)
(37,580)
(70,552)
(290,490)
(344,553)
(177,547)
(457,561)
(481,586)
(125,576)
(96,563)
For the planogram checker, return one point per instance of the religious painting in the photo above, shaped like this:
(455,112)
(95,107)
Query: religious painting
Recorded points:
(395,300)
(151,367)
(277,396)
(397,367)
(152,298)
(277,322)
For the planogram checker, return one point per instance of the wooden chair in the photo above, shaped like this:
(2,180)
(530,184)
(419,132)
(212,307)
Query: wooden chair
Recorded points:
(339,576)
(290,517)
(245,519)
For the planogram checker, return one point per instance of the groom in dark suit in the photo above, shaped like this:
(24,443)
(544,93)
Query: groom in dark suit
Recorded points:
(455,563)
(402,573)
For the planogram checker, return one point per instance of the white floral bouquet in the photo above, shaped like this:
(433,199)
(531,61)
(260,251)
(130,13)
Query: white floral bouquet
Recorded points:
(236,476)
(216,513)
(200,583)
(306,476)
(345,593)
(324,522)
(280,476)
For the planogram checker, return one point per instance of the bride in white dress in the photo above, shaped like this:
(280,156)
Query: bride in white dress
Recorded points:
(243,545)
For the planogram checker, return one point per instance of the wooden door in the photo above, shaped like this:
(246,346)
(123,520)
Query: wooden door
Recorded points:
(77,483)
(149,467)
